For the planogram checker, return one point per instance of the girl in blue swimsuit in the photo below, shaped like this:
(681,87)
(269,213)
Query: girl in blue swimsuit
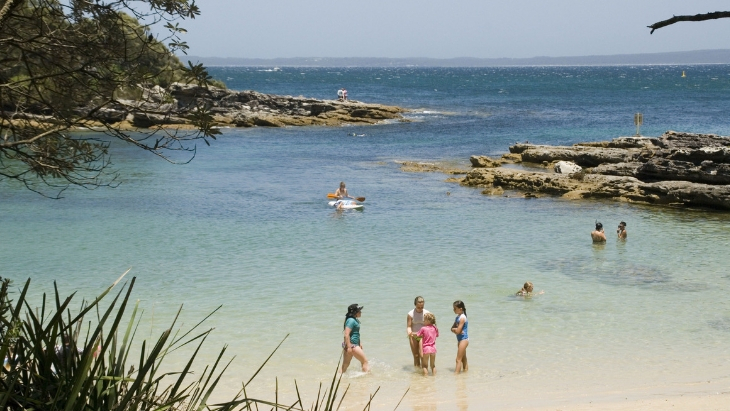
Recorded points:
(461,329)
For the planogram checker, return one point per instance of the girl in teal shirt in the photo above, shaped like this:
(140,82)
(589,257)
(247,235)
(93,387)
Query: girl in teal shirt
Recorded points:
(352,344)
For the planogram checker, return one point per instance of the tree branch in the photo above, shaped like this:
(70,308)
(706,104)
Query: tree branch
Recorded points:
(696,17)
(7,7)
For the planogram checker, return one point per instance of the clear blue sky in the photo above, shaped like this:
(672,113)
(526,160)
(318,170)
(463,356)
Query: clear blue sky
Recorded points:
(445,29)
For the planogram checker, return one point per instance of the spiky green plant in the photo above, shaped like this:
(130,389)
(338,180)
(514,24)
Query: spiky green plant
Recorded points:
(49,367)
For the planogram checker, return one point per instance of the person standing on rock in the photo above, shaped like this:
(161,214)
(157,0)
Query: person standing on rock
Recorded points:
(621,231)
(344,94)
(340,94)
(414,322)
(598,235)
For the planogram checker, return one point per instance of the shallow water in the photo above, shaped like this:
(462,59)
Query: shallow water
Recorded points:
(246,225)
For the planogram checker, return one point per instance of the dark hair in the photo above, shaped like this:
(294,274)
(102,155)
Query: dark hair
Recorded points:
(460,304)
(415,301)
(599,226)
(623,223)
(352,311)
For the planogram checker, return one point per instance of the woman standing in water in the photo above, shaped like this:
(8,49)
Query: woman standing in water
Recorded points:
(461,329)
(414,322)
(351,344)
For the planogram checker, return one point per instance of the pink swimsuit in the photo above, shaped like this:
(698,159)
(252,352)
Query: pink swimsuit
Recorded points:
(428,334)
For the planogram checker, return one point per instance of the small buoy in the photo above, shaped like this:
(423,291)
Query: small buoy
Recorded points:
(683,75)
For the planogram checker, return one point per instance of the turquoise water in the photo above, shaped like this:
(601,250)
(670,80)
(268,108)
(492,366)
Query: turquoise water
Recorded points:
(246,225)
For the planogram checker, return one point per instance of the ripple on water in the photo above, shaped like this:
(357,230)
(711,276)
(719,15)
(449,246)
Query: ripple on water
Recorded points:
(619,274)
(722,324)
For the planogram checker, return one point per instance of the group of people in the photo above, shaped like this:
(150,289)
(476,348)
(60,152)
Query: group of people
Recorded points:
(342,94)
(421,331)
(599,236)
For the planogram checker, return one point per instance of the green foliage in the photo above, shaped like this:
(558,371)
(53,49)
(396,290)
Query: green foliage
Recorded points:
(71,64)
(51,367)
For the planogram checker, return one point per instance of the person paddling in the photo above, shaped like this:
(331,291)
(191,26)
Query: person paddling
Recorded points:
(342,192)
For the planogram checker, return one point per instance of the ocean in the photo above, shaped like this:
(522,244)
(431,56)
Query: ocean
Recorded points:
(246,225)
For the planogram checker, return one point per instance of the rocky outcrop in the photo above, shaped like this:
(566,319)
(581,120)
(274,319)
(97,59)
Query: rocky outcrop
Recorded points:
(176,105)
(674,169)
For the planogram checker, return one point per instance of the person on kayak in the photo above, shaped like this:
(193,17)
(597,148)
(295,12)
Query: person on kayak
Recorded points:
(342,192)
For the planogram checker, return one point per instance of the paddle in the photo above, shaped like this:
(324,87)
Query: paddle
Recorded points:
(332,195)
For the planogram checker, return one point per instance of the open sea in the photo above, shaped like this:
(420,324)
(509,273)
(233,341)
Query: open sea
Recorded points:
(246,225)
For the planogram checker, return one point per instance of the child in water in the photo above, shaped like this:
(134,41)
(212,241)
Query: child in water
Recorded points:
(526,290)
(428,334)
(461,329)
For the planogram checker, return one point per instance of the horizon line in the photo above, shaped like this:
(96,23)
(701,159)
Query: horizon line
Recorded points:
(693,57)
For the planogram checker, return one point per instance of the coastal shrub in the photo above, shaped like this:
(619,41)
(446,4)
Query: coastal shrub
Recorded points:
(56,360)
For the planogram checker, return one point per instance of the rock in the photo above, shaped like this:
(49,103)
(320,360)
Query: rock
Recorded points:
(624,142)
(109,115)
(581,155)
(616,169)
(250,108)
(155,94)
(493,191)
(567,167)
(484,161)
(707,172)
(416,167)
(512,158)
(673,139)
(676,169)
(146,120)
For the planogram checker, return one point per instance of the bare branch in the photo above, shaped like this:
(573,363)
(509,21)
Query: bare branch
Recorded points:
(7,8)
(696,17)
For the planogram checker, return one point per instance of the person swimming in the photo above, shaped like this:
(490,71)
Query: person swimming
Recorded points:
(598,235)
(526,290)
(621,231)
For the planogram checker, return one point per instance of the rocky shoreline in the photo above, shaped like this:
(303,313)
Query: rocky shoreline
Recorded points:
(675,169)
(173,108)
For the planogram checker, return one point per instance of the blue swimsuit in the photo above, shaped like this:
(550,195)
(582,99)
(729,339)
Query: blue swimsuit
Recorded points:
(465,330)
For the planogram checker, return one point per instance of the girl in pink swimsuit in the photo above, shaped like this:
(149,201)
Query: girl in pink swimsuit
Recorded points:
(428,334)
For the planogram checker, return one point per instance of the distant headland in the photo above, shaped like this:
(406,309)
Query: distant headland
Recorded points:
(721,56)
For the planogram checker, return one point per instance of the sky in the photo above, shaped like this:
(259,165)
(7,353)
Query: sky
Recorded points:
(448,29)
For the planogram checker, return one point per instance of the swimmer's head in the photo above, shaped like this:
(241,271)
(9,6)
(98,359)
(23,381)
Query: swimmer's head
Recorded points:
(419,300)
(622,224)
(528,287)
(429,318)
(599,226)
